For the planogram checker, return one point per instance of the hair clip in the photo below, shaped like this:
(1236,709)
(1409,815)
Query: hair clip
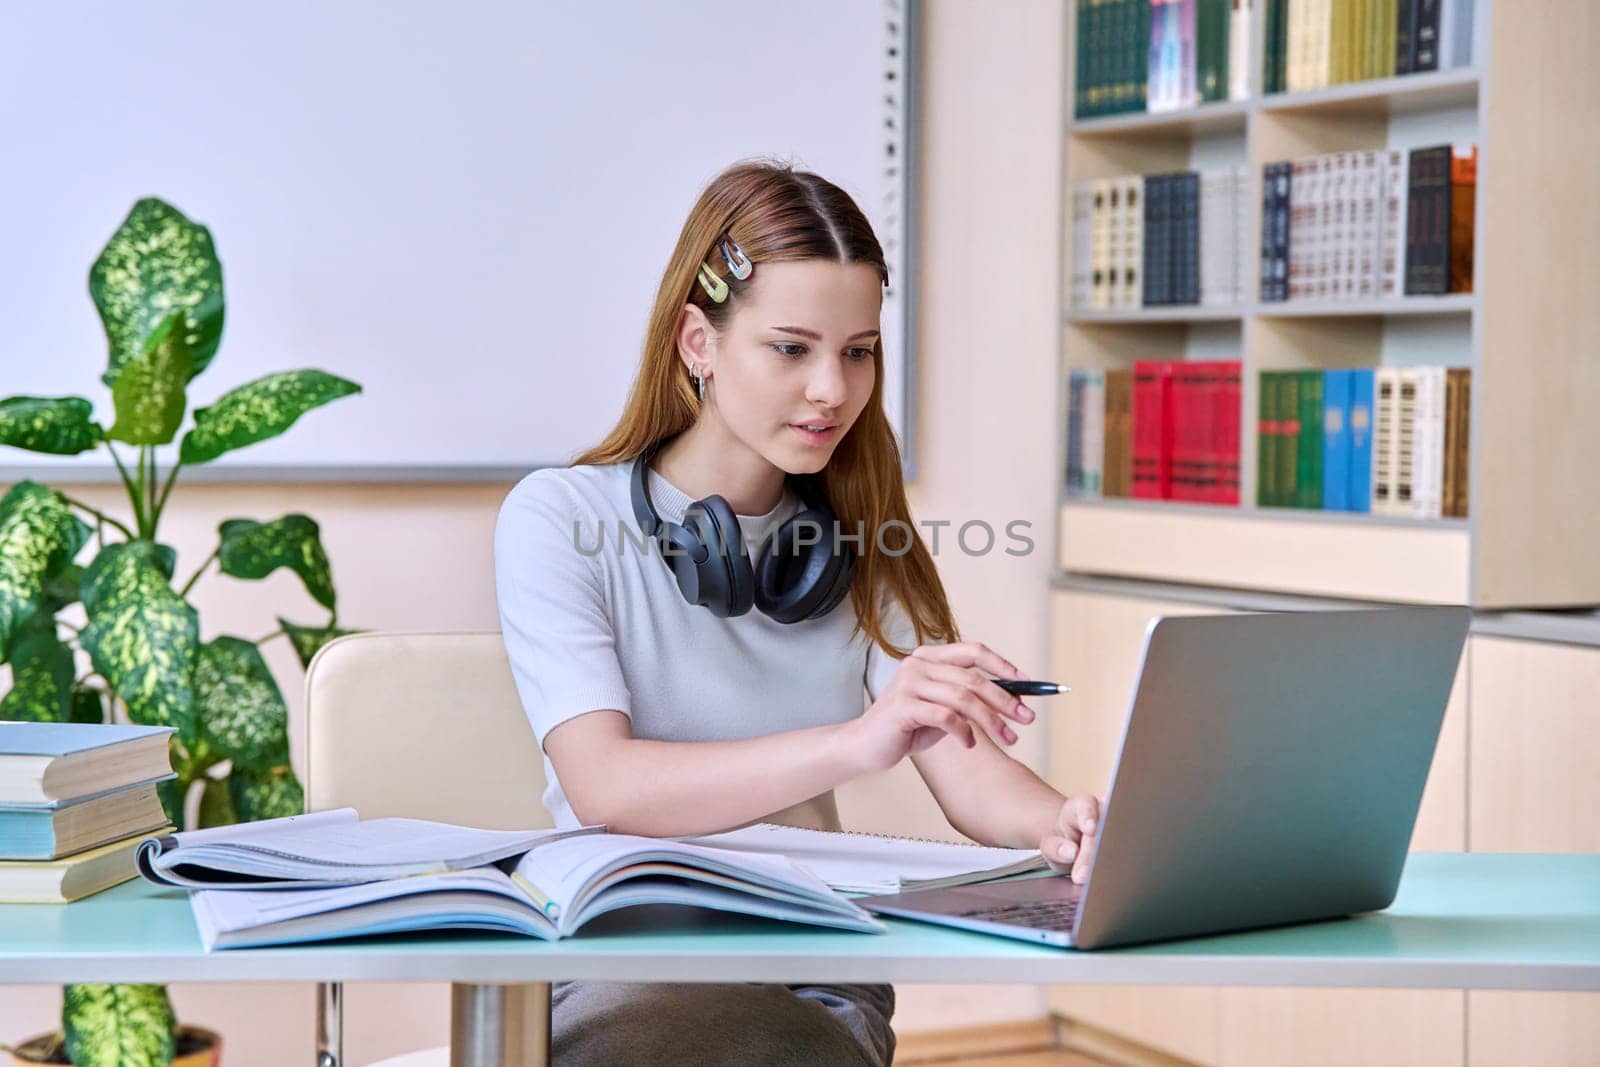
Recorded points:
(738,262)
(712,283)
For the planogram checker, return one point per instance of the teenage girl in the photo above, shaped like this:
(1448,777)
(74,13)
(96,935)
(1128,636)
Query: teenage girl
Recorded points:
(753,468)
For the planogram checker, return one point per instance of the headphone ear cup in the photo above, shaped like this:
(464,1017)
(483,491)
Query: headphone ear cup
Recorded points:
(794,582)
(844,577)
(726,577)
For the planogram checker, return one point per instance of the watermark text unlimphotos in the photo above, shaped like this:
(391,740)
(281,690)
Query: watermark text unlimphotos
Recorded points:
(892,538)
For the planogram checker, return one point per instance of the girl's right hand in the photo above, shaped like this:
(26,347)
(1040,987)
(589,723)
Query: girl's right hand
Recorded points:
(938,690)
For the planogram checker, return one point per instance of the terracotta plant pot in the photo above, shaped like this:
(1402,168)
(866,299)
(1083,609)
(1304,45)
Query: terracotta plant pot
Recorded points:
(197,1047)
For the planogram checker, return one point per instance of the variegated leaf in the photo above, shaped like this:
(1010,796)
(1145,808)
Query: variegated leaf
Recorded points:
(253,549)
(142,637)
(172,793)
(118,1025)
(266,796)
(308,639)
(242,714)
(259,410)
(41,675)
(216,804)
(39,536)
(149,393)
(60,425)
(156,263)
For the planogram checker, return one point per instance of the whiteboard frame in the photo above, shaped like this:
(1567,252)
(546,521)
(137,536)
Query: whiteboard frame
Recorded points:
(903,36)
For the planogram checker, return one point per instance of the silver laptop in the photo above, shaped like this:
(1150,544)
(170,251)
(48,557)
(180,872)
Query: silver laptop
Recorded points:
(1270,772)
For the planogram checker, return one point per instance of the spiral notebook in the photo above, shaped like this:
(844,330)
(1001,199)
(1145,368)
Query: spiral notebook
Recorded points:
(875,863)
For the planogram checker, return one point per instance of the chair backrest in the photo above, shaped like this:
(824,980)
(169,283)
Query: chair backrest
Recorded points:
(421,724)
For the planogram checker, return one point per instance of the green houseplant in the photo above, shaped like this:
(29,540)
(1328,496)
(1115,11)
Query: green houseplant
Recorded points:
(158,288)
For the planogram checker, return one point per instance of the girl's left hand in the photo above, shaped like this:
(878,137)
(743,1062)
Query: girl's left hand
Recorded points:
(1070,846)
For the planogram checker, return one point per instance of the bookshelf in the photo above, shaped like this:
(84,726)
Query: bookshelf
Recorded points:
(1533,520)
(1516,757)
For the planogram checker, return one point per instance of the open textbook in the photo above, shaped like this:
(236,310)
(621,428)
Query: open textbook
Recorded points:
(331,874)
(874,863)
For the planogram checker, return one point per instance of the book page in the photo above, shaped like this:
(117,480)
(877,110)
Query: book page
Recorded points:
(870,864)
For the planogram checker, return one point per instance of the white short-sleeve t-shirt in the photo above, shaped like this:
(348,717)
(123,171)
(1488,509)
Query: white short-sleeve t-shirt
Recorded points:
(593,621)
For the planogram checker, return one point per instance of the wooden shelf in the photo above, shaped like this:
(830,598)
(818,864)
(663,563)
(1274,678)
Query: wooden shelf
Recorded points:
(1450,304)
(1230,116)
(1383,96)
(1379,559)
(1293,515)
(1165,314)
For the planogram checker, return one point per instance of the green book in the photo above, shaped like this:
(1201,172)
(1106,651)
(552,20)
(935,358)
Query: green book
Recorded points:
(1141,54)
(1211,74)
(1308,461)
(1267,440)
(1288,418)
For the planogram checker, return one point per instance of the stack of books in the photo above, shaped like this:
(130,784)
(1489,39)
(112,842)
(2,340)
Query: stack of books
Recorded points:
(1386,441)
(1164,430)
(1315,43)
(1152,240)
(76,800)
(1369,225)
(1160,55)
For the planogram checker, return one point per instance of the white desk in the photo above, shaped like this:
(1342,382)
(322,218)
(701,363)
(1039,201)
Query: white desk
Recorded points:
(1461,920)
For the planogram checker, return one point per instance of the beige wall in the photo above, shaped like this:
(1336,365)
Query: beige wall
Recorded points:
(420,556)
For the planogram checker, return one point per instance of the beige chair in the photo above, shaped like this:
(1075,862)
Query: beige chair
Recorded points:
(395,724)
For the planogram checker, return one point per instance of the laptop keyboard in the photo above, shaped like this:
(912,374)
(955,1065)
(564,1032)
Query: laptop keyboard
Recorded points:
(1042,915)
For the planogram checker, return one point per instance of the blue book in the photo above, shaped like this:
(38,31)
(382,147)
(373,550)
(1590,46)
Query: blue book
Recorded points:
(48,763)
(1336,440)
(1360,424)
(41,832)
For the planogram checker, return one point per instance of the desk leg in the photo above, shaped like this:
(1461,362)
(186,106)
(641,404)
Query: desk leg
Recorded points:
(330,1024)
(500,1025)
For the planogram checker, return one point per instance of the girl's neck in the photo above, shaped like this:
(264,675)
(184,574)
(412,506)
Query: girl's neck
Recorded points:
(706,459)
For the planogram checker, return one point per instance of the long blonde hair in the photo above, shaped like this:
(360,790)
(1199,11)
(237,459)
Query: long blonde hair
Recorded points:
(777,213)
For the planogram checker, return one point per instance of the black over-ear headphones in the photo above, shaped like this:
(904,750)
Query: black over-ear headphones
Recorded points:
(792,583)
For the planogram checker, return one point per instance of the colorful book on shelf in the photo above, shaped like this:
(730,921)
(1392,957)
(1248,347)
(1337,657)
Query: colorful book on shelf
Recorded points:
(1240,20)
(1458,406)
(1267,439)
(1386,442)
(1287,421)
(1152,430)
(1428,221)
(1336,386)
(1359,424)
(1212,47)
(1463,202)
(1118,477)
(1308,455)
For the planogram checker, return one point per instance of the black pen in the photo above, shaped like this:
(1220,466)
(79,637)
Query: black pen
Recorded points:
(1031,689)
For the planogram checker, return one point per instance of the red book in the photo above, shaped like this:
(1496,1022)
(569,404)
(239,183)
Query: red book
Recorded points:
(1195,412)
(1182,421)
(1152,430)
(1205,434)
(1229,398)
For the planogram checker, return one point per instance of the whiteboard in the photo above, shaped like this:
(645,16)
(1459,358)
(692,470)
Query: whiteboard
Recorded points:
(464,207)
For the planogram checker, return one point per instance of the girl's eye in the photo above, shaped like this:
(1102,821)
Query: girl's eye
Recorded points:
(782,348)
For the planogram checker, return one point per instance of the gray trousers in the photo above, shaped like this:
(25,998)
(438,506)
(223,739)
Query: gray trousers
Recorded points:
(616,1024)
